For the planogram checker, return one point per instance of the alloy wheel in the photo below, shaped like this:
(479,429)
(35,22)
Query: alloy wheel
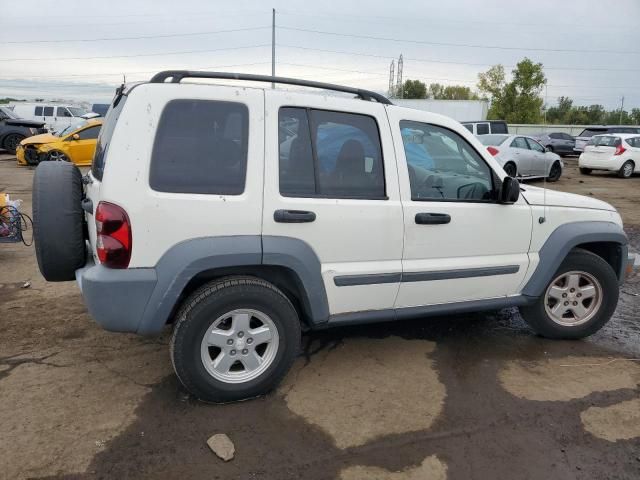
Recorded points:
(573,298)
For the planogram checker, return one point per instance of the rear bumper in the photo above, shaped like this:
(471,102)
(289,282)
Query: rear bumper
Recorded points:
(606,163)
(116,299)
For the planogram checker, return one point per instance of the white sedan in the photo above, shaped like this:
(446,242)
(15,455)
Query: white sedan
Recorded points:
(618,153)
(523,157)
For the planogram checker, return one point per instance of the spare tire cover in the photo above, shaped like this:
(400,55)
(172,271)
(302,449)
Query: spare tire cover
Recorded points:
(58,220)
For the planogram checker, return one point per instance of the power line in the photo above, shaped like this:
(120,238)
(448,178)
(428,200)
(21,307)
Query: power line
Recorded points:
(139,37)
(426,60)
(465,45)
(184,52)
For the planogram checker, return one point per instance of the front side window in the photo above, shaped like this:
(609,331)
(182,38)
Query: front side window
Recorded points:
(519,142)
(533,145)
(48,111)
(200,147)
(63,112)
(555,136)
(329,154)
(89,133)
(444,166)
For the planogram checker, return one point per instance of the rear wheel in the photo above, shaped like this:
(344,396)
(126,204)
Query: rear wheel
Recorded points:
(585,171)
(626,171)
(578,301)
(555,172)
(12,141)
(234,339)
(510,169)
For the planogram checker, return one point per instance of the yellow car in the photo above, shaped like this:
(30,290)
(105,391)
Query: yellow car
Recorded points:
(76,143)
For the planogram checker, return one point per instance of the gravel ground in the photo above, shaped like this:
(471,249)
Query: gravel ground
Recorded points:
(459,397)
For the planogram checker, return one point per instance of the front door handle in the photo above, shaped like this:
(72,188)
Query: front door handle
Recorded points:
(432,218)
(293,216)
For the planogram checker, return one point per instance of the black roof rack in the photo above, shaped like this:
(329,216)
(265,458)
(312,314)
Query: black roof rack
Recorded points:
(177,75)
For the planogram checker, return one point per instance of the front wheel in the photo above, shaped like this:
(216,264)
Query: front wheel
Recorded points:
(555,172)
(12,141)
(57,156)
(585,171)
(234,339)
(579,300)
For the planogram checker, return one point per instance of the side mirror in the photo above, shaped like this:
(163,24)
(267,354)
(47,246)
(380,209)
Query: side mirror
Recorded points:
(509,191)
(76,136)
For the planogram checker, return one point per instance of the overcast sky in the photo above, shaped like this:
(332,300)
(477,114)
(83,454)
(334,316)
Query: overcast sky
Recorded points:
(590,49)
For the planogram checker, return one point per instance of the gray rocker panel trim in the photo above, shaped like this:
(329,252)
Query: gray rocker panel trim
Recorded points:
(566,237)
(373,316)
(407,277)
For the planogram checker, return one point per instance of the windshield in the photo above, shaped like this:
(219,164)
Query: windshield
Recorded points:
(604,141)
(492,139)
(69,128)
(8,112)
(77,111)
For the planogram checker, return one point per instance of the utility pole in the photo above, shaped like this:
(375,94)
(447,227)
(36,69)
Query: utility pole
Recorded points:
(273,45)
(391,79)
(621,110)
(400,86)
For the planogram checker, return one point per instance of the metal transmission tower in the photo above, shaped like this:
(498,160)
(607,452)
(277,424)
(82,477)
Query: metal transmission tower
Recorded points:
(399,84)
(391,79)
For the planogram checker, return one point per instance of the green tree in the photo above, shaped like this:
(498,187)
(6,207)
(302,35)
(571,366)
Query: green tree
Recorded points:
(635,116)
(519,100)
(414,89)
(451,92)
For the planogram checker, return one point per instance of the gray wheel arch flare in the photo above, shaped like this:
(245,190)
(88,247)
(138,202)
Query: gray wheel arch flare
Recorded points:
(184,261)
(568,236)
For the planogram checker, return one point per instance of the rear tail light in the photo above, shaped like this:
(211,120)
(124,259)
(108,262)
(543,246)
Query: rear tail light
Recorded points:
(493,151)
(620,150)
(113,231)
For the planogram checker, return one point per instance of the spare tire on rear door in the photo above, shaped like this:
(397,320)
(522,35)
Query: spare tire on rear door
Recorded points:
(58,220)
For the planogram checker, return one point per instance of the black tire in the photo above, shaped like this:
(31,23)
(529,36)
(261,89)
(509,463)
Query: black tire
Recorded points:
(511,169)
(58,220)
(585,171)
(577,260)
(213,300)
(626,170)
(11,142)
(555,172)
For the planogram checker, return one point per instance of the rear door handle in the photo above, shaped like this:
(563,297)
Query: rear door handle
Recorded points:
(293,216)
(432,218)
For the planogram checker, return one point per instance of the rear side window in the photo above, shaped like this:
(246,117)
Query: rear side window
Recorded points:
(39,111)
(48,111)
(498,127)
(482,129)
(556,136)
(201,147)
(104,138)
(329,154)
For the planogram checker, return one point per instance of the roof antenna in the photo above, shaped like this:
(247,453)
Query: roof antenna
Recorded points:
(543,218)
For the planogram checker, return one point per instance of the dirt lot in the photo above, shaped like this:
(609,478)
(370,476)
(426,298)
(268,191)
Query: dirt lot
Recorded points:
(471,396)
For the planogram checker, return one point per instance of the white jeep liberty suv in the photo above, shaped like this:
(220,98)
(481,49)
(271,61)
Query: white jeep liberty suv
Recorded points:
(243,216)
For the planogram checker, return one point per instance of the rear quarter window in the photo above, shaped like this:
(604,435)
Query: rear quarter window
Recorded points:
(201,147)
(104,138)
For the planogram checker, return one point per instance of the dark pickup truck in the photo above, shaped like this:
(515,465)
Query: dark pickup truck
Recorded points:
(13,129)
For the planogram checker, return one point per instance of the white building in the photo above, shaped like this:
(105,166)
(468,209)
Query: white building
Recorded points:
(460,110)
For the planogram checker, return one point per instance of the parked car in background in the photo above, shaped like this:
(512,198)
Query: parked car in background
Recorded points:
(100,108)
(14,129)
(76,144)
(557,142)
(587,133)
(54,116)
(523,157)
(615,153)
(486,127)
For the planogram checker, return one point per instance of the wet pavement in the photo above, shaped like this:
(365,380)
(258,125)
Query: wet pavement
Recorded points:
(458,397)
